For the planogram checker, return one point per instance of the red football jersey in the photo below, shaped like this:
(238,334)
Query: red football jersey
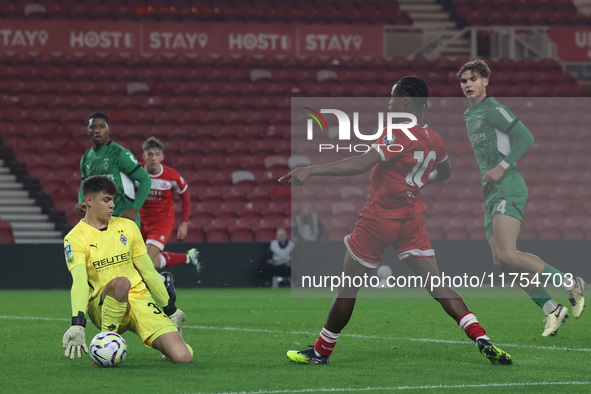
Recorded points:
(160,201)
(394,189)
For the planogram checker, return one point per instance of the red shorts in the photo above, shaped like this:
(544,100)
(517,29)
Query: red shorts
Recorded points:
(157,232)
(372,235)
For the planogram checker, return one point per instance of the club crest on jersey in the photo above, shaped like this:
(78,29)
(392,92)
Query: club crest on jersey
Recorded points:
(106,163)
(388,142)
(123,239)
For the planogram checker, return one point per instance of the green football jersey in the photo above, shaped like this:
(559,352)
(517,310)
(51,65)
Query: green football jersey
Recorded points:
(489,125)
(119,165)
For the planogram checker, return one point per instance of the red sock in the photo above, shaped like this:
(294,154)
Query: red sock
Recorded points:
(326,342)
(174,258)
(470,325)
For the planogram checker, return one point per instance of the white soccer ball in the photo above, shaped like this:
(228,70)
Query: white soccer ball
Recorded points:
(384,271)
(108,349)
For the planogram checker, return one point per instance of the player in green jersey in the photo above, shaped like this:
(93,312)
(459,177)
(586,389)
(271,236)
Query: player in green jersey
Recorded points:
(118,164)
(498,139)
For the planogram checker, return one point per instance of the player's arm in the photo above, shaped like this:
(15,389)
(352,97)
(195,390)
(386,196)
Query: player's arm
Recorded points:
(144,184)
(74,339)
(503,119)
(441,173)
(139,176)
(523,140)
(186,211)
(144,265)
(350,166)
(81,206)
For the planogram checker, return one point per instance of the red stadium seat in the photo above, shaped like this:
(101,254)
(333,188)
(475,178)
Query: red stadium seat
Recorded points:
(6,235)
(215,231)
(240,230)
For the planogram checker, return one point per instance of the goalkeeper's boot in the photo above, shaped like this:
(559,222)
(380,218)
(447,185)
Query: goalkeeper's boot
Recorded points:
(168,280)
(307,357)
(577,300)
(193,257)
(493,353)
(554,320)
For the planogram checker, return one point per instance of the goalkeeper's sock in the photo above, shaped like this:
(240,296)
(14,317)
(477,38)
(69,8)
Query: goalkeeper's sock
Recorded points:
(471,326)
(540,296)
(173,259)
(326,342)
(112,314)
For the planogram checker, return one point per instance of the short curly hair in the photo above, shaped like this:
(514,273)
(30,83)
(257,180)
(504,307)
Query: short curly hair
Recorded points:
(477,67)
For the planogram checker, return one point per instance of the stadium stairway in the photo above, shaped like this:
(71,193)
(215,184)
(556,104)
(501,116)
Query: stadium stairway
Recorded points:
(29,224)
(429,15)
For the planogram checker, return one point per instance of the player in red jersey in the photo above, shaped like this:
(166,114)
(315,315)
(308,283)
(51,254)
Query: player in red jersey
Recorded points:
(158,211)
(392,217)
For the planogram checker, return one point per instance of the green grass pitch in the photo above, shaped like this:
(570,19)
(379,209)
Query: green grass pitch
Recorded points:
(240,337)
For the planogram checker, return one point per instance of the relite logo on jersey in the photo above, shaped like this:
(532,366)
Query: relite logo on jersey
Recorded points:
(344,129)
(121,258)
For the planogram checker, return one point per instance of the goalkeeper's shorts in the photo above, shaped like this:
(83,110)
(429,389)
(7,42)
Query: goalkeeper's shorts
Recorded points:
(144,316)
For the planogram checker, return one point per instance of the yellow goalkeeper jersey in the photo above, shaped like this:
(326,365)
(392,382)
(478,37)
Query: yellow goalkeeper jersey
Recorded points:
(107,253)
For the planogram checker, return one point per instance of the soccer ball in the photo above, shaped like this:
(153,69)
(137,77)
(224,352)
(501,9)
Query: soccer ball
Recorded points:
(384,271)
(108,349)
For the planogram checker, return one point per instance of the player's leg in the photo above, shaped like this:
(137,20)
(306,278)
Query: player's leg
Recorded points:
(156,233)
(191,257)
(455,307)
(338,316)
(365,247)
(503,244)
(154,328)
(449,299)
(114,303)
(174,347)
(155,254)
(342,306)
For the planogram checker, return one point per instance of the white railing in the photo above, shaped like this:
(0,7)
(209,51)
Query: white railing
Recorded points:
(514,42)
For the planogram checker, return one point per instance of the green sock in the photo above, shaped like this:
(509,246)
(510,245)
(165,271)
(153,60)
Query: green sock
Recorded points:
(548,269)
(112,313)
(540,296)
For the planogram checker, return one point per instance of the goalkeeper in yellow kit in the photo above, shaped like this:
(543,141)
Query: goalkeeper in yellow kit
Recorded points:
(109,263)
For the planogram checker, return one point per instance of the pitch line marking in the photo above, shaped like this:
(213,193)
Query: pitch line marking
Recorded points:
(453,386)
(266,331)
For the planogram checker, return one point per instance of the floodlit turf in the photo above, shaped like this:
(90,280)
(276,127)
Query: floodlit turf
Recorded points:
(240,338)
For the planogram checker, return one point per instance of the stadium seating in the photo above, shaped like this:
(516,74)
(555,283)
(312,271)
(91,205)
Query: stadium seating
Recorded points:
(6,235)
(211,136)
(237,11)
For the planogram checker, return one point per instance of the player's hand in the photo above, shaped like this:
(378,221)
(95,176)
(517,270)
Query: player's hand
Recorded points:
(299,176)
(129,213)
(178,317)
(81,209)
(494,175)
(74,341)
(182,231)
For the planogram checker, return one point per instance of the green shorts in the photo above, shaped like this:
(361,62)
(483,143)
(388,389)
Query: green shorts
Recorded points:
(507,197)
